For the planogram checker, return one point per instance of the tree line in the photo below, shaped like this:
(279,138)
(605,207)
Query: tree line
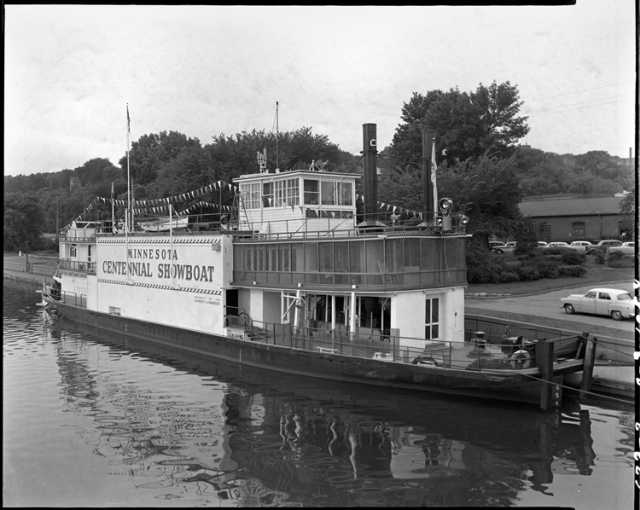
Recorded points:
(481,165)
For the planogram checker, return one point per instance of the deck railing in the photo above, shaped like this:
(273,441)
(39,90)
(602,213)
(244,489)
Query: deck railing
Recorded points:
(75,238)
(77,266)
(473,354)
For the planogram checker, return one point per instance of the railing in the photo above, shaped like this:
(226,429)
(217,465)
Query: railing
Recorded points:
(469,355)
(29,263)
(77,238)
(72,298)
(408,280)
(299,229)
(77,266)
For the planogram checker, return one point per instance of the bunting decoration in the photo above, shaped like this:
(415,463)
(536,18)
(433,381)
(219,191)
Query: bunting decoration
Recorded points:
(392,208)
(180,197)
(161,205)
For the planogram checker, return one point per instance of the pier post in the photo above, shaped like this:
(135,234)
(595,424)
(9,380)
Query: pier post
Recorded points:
(544,361)
(589,361)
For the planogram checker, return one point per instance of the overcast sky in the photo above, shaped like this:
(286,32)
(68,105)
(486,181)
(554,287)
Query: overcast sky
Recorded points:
(203,70)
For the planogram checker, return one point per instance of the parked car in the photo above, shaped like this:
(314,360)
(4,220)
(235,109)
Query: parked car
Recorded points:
(614,303)
(603,245)
(542,244)
(580,245)
(558,244)
(626,248)
(507,247)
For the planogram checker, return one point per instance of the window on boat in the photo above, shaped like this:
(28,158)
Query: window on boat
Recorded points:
(250,194)
(336,193)
(73,251)
(328,193)
(293,195)
(346,193)
(267,194)
(285,193)
(432,318)
(311,192)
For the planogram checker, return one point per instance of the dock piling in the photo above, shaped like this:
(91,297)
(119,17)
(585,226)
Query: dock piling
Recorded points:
(589,362)
(544,360)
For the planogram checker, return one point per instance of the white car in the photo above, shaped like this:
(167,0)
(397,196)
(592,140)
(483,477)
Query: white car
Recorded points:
(615,303)
(580,245)
(626,248)
(542,244)
(558,244)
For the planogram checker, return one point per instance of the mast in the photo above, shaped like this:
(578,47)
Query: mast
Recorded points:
(128,226)
(277,133)
(58,219)
(113,212)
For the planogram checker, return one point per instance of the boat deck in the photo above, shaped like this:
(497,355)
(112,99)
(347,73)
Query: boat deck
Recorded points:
(459,355)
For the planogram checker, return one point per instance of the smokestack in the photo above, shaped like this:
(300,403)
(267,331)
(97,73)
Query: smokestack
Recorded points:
(427,141)
(370,152)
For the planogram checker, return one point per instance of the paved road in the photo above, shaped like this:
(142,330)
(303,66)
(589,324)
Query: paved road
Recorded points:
(545,308)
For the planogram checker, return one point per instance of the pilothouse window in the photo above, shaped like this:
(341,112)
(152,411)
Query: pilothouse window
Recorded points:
(311,192)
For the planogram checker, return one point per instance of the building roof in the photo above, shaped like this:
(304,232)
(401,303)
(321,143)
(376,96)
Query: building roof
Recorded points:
(569,205)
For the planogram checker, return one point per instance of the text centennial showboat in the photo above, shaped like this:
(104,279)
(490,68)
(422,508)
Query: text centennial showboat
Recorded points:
(296,284)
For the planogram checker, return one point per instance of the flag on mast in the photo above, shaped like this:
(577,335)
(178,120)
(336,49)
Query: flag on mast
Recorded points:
(434,167)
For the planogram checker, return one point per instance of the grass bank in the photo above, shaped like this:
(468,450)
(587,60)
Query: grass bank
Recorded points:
(596,274)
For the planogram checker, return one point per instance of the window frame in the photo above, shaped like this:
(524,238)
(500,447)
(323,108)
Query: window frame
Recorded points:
(432,323)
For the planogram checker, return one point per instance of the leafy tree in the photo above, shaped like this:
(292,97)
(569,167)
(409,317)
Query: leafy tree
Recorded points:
(594,172)
(628,208)
(403,187)
(231,156)
(486,190)
(525,237)
(97,170)
(150,151)
(467,124)
(23,220)
(406,145)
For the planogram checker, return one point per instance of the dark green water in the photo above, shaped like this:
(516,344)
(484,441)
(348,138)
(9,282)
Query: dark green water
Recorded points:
(92,421)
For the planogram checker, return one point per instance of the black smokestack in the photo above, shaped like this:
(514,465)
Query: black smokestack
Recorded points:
(370,152)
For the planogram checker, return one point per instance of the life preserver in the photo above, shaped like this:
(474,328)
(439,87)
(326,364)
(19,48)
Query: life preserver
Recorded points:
(520,359)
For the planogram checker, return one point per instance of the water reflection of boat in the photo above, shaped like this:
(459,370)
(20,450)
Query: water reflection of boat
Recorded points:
(301,437)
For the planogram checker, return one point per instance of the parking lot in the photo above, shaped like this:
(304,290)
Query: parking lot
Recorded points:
(546,309)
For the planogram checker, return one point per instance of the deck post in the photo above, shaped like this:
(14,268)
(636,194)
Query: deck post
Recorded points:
(352,316)
(333,313)
(589,361)
(544,360)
